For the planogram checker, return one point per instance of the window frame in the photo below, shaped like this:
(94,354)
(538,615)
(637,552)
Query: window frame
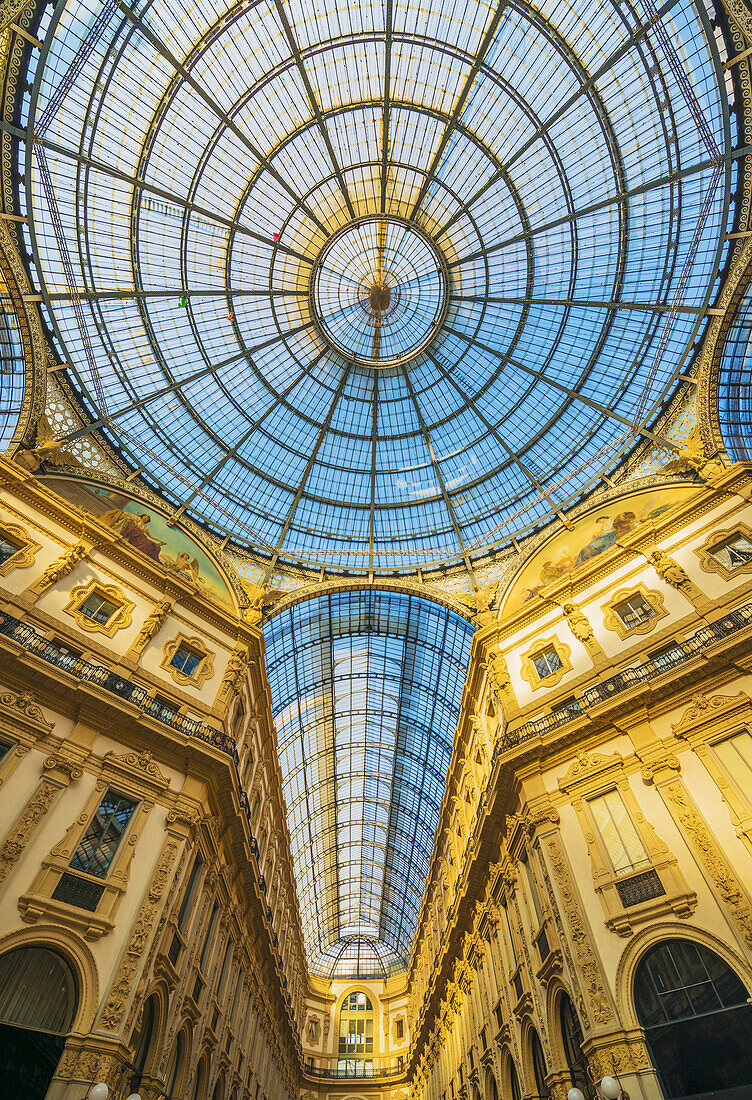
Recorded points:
(529,671)
(196,645)
(706,553)
(121,617)
(613,621)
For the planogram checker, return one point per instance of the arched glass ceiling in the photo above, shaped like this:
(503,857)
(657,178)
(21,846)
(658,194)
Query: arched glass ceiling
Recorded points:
(203,158)
(12,369)
(366,688)
(735,385)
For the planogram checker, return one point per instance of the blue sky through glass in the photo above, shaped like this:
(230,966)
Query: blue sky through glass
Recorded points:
(366,690)
(202,165)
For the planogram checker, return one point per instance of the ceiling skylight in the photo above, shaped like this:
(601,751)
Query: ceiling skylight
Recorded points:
(366,689)
(372,286)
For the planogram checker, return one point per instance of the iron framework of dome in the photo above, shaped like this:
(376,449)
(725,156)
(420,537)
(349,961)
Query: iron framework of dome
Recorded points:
(520,298)
(366,691)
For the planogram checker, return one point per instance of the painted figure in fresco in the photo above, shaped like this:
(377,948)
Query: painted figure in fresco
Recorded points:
(134,528)
(608,533)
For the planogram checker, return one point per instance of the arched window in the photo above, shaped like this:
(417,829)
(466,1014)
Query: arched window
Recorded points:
(37,990)
(199,1084)
(514,1082)
(696,1018)
(38,1001)
(571,1037)
(539,1066)
(142,1041)
(356,1036)
(175,1063)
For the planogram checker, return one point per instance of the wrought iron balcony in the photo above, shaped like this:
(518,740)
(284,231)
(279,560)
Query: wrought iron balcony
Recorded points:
(628,678)
(118,685)
(356,1069)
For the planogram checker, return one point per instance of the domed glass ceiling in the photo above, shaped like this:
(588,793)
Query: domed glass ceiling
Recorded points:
(366,692)
(374,286)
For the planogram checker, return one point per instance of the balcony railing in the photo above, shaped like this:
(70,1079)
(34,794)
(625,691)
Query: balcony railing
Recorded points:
(359,1070)
(118,685)
(628,678)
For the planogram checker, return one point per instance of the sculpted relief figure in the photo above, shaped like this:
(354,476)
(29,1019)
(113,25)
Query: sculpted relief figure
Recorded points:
(670,570)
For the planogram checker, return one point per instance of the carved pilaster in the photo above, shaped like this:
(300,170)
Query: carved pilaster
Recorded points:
(124,981)
(59,772)
(717,869)
(586,963)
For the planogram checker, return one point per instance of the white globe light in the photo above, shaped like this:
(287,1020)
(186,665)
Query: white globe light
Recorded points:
(135,1096)
(610,1088)
(575,1094)
(99,1091)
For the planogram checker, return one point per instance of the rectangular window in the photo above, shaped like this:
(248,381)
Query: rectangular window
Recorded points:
(98,608)
(163,709)
(238,720)
(190,893)
(8,547)
(532,887)
(735,754)
(3,749)
(634,610)
(400,1028)
(209,937)
(618,832)
(567,708)
(734,552)
(547,662)
(103,835)
(186,660)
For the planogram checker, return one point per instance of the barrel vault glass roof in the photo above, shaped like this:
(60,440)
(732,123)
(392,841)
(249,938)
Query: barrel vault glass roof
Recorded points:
(205,153)
(366,689)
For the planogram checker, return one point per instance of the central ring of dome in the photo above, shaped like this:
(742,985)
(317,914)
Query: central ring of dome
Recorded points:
(379,291)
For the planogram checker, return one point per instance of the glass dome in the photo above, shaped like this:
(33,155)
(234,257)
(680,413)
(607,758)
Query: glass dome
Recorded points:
(374,286)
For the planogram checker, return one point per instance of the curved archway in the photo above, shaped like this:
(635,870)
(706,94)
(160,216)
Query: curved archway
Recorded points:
(175,1062)
(357,1035)
(38,1001)
(697,1020)
(491,1090)
(515,1091)
(538,1062)
(199,1081)
(571,1041)
(144,1038)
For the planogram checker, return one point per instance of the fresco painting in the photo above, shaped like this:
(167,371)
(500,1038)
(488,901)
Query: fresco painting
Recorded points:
(147,531)
(593,535)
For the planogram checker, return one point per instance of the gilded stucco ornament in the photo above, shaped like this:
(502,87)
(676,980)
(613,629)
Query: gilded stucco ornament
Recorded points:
(47,451)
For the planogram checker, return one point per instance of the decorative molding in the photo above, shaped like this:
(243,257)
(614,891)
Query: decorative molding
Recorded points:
(138,767)
(718,870)
(586,962)
(586,766)
(706,708)
(25,703)
(528,670)
(20,833)
(119,619)
(205,667)
(24,556)
(612,621)
(124,982)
